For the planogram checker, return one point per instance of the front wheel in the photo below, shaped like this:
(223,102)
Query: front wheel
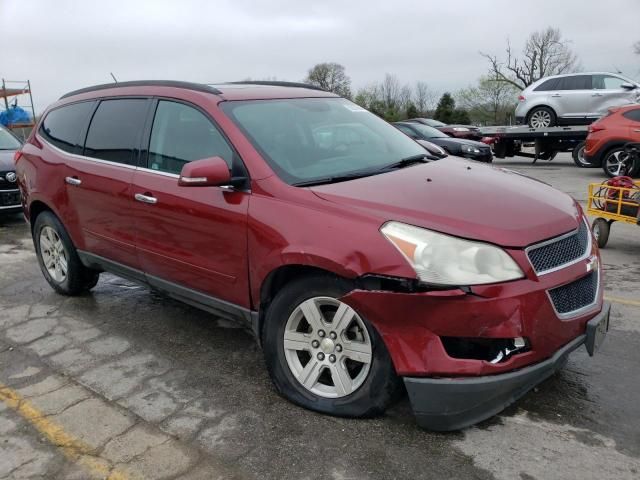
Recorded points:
(578,156)
(618,162)
(600,229)
(322,355)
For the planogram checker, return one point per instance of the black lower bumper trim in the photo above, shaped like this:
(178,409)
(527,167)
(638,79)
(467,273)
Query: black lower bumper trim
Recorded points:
(445,404)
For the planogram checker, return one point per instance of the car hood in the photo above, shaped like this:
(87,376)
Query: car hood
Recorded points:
(462,198)
(6,160)
(470,127)
(456,142)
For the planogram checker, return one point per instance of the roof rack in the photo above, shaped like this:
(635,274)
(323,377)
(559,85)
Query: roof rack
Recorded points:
(277,83)
(199,87)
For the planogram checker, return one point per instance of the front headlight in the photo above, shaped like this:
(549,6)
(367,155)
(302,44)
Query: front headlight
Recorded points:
(444,260)
(460,129)
(469,149)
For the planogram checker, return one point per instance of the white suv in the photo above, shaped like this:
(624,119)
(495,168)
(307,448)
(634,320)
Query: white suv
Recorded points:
(573,99)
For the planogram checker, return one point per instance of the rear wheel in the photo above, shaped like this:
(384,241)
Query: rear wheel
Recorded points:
(578,156)
(321,354)
(600,229)
(58,258)
(542,117)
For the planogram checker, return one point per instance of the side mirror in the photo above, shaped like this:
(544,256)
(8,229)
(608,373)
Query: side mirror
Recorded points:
(628,86)
(208,172)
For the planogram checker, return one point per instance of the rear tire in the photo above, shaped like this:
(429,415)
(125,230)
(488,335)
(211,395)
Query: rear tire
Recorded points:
(600,229)
(616,162)
(58,258)
(301,317)
(578,156)
(541,117)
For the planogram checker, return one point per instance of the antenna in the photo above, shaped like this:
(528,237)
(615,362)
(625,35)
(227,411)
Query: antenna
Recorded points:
(114,77)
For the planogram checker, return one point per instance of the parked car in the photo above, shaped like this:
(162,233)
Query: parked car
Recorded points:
(458,131)
(607,138)
(9,193)
(574,99)
(454,146)
(358,264)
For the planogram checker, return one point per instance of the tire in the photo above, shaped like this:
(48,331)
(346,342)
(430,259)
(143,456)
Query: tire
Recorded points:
(375,385)
(541,117)
(578,156)
(500,149)
(600,229)
(616,162)
(55,250)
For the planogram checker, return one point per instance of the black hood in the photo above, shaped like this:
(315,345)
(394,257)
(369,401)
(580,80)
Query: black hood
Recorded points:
(6,160)
(454,144)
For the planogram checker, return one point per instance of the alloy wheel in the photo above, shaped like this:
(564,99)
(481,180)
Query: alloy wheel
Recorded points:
(54,256)
(540,119)
(327,347)
(618,163)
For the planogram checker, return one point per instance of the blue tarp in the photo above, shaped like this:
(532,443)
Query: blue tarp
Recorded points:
(14,115)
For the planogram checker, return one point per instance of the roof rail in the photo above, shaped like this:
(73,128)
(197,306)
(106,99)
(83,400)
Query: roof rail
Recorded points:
(277,83)
(200,87)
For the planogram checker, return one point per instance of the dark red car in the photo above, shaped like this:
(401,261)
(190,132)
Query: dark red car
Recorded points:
(362,266)
(469,132)
(607,139)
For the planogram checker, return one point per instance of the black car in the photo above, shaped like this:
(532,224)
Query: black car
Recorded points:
(454,146)
(9,193)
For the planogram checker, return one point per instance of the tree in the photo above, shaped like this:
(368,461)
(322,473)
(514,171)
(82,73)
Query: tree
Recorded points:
(330,77)
(423,98)
(445,111)
(490,101)
(636,47)
(545,53)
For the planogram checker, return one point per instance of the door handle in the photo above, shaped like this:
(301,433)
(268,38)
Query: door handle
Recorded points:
(146,198)
(556,95)
(73,181)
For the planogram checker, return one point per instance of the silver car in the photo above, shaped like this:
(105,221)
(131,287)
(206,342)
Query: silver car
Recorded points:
(574,99)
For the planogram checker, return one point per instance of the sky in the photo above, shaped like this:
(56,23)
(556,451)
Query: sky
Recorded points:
(61,45)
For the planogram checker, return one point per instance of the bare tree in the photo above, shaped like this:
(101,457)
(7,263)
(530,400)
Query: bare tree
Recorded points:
(390,92)
(545,53)
(330,77)
(490,101)
(423,97)
(636,47)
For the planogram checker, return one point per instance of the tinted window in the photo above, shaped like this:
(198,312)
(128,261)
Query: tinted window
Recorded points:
(548,85)
(429,132)
(408,131)
(576,82)
(62,126)
(633,115)
(181,134)
(607,82)
(114,133)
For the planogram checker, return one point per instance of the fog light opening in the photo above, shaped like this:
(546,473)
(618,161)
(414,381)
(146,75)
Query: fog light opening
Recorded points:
(492,350)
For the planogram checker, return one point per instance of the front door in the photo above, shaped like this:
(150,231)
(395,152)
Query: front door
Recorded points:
(192,237)
(608,92)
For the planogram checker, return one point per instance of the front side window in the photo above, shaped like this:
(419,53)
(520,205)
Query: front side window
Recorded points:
(115,130)
(8,141)
(182,134)
(607,82)
(62,126)
(311,139)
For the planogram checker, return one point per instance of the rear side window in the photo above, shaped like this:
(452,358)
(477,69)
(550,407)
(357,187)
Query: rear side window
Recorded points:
(633,115)
(547,86)
(115,130)
(62,127)
(575,82)
(182,134)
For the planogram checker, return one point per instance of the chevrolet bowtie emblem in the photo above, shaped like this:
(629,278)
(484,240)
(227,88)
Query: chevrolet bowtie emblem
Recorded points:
(592,264)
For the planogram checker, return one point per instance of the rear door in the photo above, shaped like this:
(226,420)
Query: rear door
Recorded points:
(99,180)
(190,237)
(573,96)
(607,92)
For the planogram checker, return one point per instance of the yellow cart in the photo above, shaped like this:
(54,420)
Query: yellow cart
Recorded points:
(611,203)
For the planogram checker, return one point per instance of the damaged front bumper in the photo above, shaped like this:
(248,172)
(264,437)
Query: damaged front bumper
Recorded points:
(445,404)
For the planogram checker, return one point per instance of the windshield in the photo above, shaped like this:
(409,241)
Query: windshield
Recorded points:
(8,141)
(308,139)
(435,123)
(428,132)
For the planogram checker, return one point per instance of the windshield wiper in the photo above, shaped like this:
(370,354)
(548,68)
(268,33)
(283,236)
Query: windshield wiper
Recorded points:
(335,179)
(405,162)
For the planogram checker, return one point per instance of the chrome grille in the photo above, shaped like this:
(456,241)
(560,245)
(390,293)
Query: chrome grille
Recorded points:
(574,296)
(561,251)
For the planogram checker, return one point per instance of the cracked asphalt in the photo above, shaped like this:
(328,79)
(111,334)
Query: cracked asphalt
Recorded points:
(124,383)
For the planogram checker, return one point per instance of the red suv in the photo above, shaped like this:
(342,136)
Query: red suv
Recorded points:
(360,264)
(607,138)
